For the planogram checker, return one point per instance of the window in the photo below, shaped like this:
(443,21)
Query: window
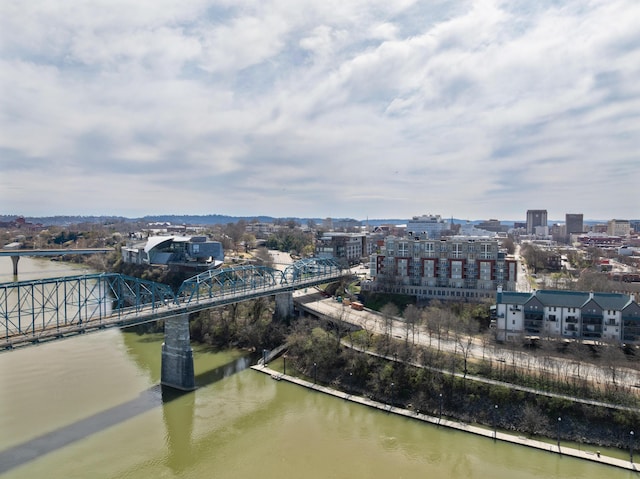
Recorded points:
(485,271)
(456,270)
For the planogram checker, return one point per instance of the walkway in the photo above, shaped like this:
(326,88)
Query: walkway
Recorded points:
(480,431)
(495,382)
(373,321)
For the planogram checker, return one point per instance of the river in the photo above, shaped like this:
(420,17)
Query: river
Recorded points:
(90,406)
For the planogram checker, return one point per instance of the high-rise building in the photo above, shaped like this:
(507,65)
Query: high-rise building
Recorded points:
(575,223)
(452,268)
(535,218)
(618,227)
(430,226)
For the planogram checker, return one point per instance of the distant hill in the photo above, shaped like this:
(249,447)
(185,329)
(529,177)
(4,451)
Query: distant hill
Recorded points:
(224,219)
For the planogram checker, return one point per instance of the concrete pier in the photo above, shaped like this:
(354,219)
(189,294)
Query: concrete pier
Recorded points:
(14,260)
(177,355)
(284,305)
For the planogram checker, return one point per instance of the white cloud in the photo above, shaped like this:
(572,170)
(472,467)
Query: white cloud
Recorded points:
(474,109)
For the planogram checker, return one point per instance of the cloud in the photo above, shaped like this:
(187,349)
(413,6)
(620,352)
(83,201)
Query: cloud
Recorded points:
(472,109)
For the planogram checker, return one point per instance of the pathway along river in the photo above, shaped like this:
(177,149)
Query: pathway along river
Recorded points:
(90,406)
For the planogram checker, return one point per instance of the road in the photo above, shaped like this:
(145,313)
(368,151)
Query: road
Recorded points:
(280,259)
(372,321)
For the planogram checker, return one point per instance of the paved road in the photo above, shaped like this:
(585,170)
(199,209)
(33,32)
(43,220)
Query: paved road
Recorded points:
(513,357)
(280,260)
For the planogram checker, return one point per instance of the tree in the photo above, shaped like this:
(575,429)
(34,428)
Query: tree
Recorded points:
(465,330)
(509,245)
(235,231)
(412,315)
(533,420)
(389,311)
(263,257)
(612,358)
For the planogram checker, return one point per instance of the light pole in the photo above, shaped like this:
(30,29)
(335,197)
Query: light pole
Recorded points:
(559,421)
(440,417)
(284,364)
(392,394)
(631,433)
(495,422)
(315,373)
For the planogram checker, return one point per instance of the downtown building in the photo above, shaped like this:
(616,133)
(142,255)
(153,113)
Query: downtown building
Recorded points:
(452,268)
(346,247)
(536,219)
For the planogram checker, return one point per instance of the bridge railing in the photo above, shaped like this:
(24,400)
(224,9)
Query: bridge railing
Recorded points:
(32,310)
(254,280)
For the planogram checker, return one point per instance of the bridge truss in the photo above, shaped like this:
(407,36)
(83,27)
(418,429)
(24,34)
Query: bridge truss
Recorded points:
(34,311)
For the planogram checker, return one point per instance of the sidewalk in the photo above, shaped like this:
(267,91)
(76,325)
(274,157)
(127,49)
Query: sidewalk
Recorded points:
(480,431)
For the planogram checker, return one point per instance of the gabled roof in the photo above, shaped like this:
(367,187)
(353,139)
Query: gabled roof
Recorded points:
(510,297)
(615,301)
(566,299)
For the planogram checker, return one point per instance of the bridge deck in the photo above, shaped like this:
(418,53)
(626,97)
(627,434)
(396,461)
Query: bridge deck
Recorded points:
(23,327)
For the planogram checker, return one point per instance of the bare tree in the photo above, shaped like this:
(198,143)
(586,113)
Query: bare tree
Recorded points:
(264,257)
(389,311)
(612,358)
(465,330)
(411,316)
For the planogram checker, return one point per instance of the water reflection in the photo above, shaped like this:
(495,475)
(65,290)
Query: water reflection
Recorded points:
(178,413)
(52,441)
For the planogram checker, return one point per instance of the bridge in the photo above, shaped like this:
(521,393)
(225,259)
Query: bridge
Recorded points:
(16,253)
(33,312)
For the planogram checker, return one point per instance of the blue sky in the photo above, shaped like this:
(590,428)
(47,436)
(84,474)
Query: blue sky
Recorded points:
(473,109)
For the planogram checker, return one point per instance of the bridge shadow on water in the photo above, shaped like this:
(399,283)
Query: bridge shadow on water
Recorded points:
(178,421)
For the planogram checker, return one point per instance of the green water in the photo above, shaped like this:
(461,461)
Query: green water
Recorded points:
(90,407)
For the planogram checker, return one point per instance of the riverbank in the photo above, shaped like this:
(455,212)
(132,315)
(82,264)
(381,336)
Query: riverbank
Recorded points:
(593,456)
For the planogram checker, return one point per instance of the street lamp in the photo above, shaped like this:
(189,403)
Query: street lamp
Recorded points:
(392,394)
(559,421)
(631,433)
(495,422)
(440,417)
(284,364)
(315,373)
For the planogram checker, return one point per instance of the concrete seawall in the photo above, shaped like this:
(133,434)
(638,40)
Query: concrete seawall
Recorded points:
(480,431)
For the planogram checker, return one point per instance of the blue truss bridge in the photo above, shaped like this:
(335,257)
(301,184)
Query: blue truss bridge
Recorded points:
(32,312)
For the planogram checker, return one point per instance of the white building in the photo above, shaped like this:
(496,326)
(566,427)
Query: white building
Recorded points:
(567,314)
(618,228)
(429,226)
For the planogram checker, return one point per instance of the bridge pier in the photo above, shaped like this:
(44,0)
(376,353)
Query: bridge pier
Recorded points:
(284,305)
(14,260)
(177,355)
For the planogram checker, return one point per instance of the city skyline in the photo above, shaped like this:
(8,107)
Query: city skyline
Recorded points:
(472,109)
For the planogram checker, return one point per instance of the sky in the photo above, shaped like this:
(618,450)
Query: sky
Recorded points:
(287,108)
